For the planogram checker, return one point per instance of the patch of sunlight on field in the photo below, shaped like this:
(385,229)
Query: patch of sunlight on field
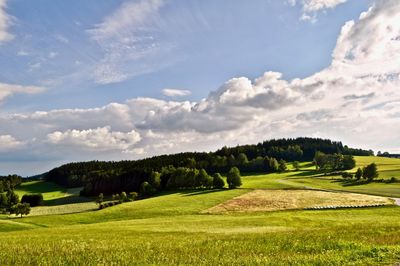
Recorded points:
(274,200)
(64,209)
(49,190)
(387,167)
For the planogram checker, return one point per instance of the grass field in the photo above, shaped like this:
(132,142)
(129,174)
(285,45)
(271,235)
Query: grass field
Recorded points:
(173,227)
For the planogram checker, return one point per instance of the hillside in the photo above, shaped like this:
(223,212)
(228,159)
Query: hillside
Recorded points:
(180,227)
(113,177)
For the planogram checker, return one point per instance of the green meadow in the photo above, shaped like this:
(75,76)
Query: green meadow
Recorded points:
(172,228)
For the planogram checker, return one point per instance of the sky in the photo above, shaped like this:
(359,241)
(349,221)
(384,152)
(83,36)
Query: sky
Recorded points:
(128,79)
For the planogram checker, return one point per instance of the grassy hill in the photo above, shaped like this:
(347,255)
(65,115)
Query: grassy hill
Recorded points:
(174,227)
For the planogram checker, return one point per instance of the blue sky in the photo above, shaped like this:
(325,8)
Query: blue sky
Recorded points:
(127,79)
(206,43)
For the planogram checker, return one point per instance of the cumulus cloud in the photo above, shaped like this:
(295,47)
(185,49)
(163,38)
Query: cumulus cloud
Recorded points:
(97,139)
(312,7)
(175,92)
(7,90)
(8,142)
(5,22)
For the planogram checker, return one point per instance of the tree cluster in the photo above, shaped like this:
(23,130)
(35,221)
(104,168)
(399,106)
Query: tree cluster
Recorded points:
(333,162)
(9,203)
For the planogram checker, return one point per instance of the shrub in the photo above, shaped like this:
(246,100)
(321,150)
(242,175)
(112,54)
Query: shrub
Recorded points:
(393,179)
(347,175)
(296,165)
(100,199)
(123,197)
(358,174)
(133,195)
(282,166)
(146,189)
(218,181)
(33,199)
(233,179)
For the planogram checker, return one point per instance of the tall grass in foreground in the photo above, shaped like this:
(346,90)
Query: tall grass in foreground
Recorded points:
(343,237)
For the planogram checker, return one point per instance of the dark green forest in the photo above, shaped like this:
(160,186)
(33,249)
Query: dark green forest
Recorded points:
(187,170)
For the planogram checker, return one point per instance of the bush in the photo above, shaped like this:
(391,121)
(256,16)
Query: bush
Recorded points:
(233,179)
(296,165)
(146,189)
(358,174)
(393,179)
(33,199)
(282,166)
(123,197)
(100,198)
(218,181)
(134,195)
(347,175)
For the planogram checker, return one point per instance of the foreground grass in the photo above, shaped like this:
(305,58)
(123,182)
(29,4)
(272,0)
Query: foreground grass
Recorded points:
(340,237)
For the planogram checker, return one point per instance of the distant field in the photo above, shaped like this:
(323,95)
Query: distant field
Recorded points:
(274,200)
(49,190)
(53,194)
(388,167)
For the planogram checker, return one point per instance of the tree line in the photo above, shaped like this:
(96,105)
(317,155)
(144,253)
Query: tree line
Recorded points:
(268,156)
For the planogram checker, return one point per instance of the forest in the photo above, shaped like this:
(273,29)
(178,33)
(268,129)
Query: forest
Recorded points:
(268,156)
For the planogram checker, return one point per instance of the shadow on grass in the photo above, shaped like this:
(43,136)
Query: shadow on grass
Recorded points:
(349,183)
(188,193)
(303,173)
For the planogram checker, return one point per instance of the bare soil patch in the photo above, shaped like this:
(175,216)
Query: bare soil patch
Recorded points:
(274,200)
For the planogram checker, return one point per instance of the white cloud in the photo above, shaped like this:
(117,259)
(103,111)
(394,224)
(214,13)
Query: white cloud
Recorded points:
(5,22)
(311,8)
(52,55)
(175,92)
(7,90)
(96,139)
(127,40)
(22,53)
(8,142)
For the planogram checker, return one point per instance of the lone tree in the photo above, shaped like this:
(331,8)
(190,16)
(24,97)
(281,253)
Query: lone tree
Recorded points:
(218,181)
(21,208)
(370,172)
(233,179)
(359,174)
